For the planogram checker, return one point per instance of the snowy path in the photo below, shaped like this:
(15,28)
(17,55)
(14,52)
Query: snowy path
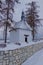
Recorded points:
(36,59)
(12,46)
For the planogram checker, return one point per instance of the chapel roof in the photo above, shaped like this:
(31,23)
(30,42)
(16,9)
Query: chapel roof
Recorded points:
(22,24)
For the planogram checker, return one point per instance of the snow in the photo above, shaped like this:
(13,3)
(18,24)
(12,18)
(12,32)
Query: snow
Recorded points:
(22,25)
(36,59)
(12,46)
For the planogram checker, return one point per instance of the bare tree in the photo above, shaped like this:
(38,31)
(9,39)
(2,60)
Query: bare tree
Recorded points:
(7,12)
(32,17)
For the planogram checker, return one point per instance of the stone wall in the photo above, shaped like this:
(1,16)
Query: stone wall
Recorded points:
(18,56)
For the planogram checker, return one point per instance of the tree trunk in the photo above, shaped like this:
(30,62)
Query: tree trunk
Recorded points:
(5,33)
(33,32)
(6,24)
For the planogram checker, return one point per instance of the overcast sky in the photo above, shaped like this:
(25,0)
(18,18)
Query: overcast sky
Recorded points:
(22,6)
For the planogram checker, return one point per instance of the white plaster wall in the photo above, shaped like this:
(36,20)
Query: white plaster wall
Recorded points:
(18,36)
(22,37)
(14,36)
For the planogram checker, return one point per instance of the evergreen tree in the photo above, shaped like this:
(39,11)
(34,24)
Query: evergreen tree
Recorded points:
(32,17)
(7,12)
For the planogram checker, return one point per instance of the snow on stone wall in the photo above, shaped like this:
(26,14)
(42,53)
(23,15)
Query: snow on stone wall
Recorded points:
(18,56)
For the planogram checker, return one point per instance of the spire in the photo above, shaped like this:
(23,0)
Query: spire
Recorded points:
(22,16)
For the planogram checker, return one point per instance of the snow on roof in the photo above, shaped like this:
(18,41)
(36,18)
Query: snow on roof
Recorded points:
(22,25)
(36,59)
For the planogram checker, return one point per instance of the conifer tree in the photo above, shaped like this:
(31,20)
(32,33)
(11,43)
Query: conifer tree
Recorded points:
(32,17)
(7,12)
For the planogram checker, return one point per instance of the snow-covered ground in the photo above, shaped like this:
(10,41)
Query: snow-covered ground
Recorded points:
(12,46)
(36,59)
